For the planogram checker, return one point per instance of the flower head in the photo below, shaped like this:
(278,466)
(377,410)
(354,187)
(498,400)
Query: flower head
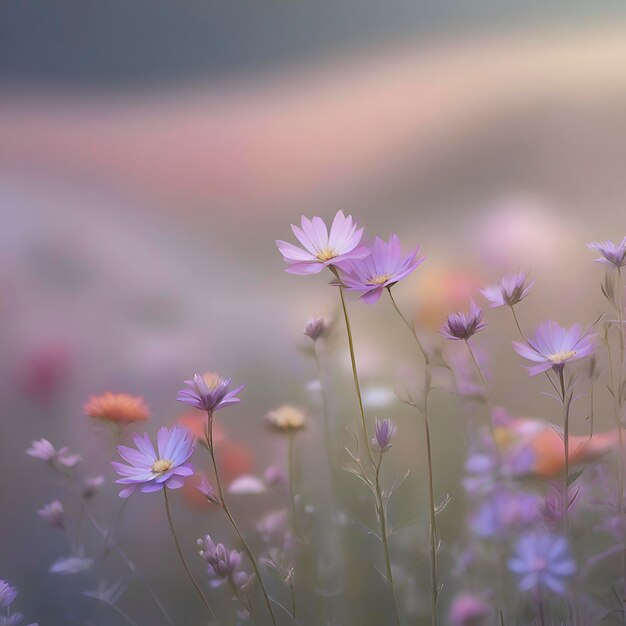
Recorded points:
(542,560)
(93,484)
(53,514)
(223,564)
(321,248)
(611,254)
(384,267)
(151,471)
(7,594)
(209,392)
(317,327)
(384,431)
(117,407)
(509,290)
(286,418)
(555,346)
(469,610)
(464,325)
(42,449)
(207,490)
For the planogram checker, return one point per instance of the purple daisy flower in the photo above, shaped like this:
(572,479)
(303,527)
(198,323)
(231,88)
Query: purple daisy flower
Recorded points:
(321,248)
(149,471)
(464,325)
(210,392)
(554,346)
(7,594)
(509,290)
(612,254)
(383,268)
(542,560)
(384,431)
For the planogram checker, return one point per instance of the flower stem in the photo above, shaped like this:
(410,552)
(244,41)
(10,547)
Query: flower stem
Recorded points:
(209,436)
(292,493)
(484,381)
(433,537)
(181,555)
(565,495)
(617,391)
(380,505)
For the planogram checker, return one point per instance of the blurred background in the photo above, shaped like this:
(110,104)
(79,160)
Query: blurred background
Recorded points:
(151,152)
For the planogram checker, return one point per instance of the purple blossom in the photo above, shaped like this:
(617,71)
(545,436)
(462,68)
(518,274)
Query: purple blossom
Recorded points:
(7,594)
(542,560)
(223,564)
(509,290)
(611,254)
(504,511)
(53,514)
(207,490)
(468,610)
(209,392)
(384,431)
(554,346)
(464,325)
(321,248)
(93,484)
(383,268)
(42,449)
(317,327)
(149,471)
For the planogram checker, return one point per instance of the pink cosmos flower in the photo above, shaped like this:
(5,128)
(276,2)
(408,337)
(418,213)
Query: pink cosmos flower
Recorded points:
(320,248)
(383,268)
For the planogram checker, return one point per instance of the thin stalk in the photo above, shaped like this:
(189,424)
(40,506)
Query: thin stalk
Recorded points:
(209,436)
(182,556)
(292,492)
(122,614)
(617,390)
(131,566)
(293,602)
(433,537)
(565,494)
(382,515)
(484,381)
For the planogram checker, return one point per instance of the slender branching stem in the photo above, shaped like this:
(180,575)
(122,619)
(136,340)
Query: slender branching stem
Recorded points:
(380,503)
(566,406)
(182,556)
(224,504)
(617,391)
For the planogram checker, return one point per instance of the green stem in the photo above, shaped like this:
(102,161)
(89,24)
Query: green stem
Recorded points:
(245,545)
(182,556)
(380,506)
(565,402)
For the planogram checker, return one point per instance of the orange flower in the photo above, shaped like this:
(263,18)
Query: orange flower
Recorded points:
(117,407)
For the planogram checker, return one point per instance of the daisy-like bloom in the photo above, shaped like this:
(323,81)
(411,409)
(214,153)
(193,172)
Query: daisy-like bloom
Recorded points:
(611,254)
(209,392)
(317,327)
(53,514)
(150,471)
(286,418)
(555,346)
(542,560)
(43,450)
(383,268)
(70,565)
(321,248)
(509,290)
(464,325)
(117,407)
(384,431)
(7,594)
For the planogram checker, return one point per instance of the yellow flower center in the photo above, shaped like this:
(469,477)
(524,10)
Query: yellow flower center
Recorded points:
(212,380)
(162,465)
(560,357)
(379,280)
(327,254)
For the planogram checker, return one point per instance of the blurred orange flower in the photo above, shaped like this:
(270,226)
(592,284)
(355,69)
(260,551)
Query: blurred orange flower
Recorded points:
(117,407)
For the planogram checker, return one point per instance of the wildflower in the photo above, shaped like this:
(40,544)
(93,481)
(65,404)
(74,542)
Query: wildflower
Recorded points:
(611,254)
(209,392)
(7,594)
(542,560)
(504,510)
(468,610)
(317,327)
(554,346)
(322,249)
(149,471)
(70,565)
(117,407)
(206,489)
(509,290)
(286,418)
(247,484)
(464,325)
(223,564)
(383,268)
(93,484)
(384,431)
(42,449)
(53,514)
(275,476)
